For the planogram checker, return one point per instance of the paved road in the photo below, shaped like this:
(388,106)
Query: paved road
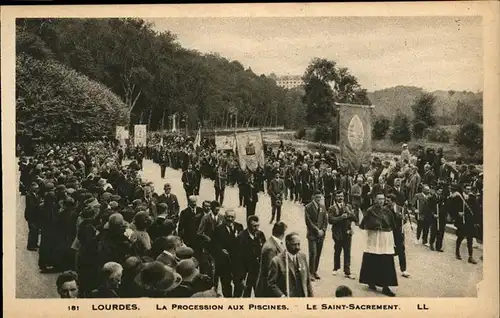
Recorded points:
(433,274)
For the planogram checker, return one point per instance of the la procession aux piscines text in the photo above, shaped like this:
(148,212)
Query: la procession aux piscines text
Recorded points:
(220,307)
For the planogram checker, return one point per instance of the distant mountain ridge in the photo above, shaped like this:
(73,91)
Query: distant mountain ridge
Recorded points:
(390,101)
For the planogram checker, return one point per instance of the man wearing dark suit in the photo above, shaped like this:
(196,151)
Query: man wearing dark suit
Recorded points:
(273,246)
(187,230)
(340,216)
(171,201)
(163,160)
(207,224)
(220,184)
(423,213)
(305,184)
(428,176)
(169,245)
(251,195)
(189,181)
(197,179)
(381,187)
(316,223)
(438,224)
(367,194)
(225,243)
(465,209)
(210,221)
(328,187)
(276,190)
(398,191)
(250,243)
(289,275)
(32,214)
(398,233)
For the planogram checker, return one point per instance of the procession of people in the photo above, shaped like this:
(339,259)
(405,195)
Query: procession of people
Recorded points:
(111,233)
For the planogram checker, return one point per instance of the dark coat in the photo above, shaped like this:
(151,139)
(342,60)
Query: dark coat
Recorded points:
(225,240)
(316,219)
(249,251)
(270,249)
(341,228)
(187,226)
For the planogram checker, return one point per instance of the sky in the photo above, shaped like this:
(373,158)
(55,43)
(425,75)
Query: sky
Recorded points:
(435,53)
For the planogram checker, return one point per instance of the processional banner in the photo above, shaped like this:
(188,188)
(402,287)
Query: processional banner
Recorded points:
(355,134)
(250,148)
(140,135)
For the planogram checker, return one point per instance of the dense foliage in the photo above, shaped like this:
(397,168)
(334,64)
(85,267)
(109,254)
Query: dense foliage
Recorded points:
(470,136)
(381,126)
(401,129)
(438,134)
(156,78)
(53,101)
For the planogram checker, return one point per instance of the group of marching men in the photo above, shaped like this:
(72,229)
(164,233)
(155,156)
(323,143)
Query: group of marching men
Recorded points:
(95,216)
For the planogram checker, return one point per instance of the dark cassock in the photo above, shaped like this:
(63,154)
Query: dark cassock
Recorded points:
(377,267)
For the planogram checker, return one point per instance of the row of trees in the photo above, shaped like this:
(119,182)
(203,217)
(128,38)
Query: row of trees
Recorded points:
(155,77)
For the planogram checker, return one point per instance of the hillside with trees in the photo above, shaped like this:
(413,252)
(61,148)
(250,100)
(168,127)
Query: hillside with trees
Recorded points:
(451,107)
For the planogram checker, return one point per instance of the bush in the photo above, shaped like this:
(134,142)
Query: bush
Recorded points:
(419,129)
(400,129)
(301,133)
(470,136)
(438,135)
(381,127)
(323,133)
(55,102)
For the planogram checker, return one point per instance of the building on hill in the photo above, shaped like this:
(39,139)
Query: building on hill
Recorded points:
(290,81)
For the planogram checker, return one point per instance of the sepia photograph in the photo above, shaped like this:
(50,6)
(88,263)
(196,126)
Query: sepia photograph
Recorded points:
(248,157)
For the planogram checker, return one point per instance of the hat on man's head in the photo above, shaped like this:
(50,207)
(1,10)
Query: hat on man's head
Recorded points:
(113,205)
(106,196)
(162,208)
(186,268)
(49,186)
(115,197)
(101,182)
(156,275)
(184,252)
(115,222)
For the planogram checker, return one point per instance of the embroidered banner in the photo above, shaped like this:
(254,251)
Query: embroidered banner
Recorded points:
(250,148)
(355,132)
(225,142)
(140,135)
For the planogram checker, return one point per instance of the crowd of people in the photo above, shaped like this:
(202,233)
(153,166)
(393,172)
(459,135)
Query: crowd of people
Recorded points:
(110,233)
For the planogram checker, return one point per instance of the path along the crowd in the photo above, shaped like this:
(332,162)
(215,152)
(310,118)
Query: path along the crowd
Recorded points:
(433,274)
